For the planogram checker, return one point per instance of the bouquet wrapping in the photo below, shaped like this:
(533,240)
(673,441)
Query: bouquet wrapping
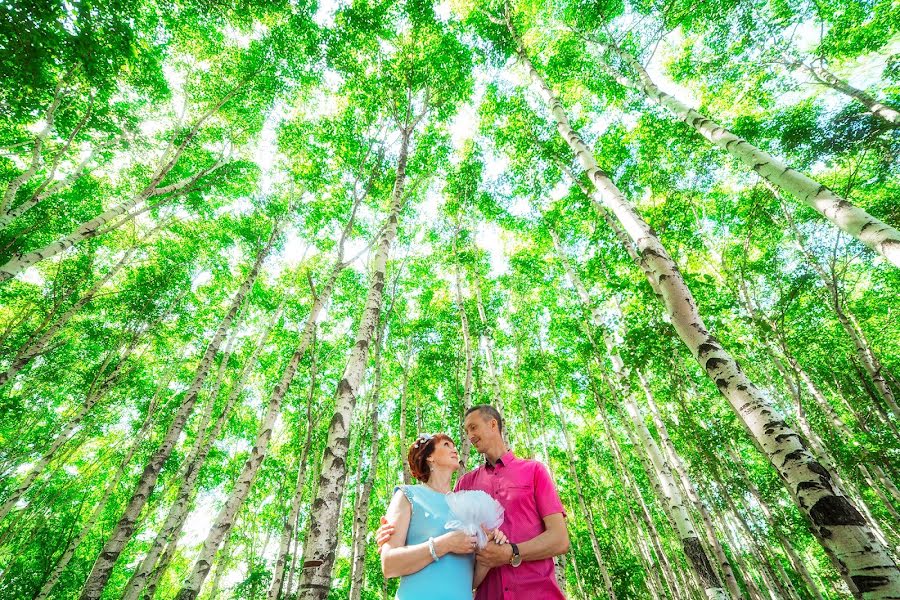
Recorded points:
(474,509)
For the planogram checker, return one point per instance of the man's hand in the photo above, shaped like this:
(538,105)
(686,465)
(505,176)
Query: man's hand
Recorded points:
(494,555)
(384,533)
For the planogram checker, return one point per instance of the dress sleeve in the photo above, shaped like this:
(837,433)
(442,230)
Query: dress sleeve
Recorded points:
(409,496)
(545,493)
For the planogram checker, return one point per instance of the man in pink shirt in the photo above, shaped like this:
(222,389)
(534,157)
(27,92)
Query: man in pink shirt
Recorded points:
(534,518)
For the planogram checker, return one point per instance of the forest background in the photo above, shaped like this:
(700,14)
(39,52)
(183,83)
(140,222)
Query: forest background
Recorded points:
(249,250)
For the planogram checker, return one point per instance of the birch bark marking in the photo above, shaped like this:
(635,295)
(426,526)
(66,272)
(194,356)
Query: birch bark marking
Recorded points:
(102,569)
(319,550)
(852,220)
(843,529)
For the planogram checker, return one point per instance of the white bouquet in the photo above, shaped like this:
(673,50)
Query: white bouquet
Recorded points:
(474,509)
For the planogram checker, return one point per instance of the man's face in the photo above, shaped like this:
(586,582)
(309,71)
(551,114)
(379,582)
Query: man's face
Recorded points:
(480,432)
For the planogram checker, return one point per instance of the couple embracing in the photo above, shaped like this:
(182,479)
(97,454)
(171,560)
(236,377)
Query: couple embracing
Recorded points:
(421,538)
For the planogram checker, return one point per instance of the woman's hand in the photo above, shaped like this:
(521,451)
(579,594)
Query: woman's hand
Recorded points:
(455,542)
(498,536)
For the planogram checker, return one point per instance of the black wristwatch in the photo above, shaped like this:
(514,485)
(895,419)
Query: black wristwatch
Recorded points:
(516,558)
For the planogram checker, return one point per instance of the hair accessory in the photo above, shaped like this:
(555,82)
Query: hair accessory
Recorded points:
(423,439)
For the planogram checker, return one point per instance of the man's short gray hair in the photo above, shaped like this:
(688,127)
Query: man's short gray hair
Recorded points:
(487,412)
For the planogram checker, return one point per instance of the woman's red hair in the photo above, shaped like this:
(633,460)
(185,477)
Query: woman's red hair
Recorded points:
(418,457)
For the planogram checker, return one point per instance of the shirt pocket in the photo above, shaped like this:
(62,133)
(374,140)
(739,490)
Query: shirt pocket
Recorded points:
(514,494)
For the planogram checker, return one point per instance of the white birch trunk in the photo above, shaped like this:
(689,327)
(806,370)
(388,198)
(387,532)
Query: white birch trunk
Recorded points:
(849,537)
(879,109)
(856,222)
(190,589)
(319,550)
(289,531)
(361,512)
(111,486)
(187,478)
(487,342)
(680,469)
(585,509)
(102,569)
(404,393)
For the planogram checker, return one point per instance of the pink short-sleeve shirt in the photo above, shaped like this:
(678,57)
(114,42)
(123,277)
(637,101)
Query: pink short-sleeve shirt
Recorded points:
(526,492)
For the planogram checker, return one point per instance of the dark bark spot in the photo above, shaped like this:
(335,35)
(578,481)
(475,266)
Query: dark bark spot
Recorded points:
(312,563)
(742,388)
(771,426)
(715,362)
(809,485)
(721,383)
(706,347)
(695,553)
(869,583)
(795,455)
(819,470)
(825,533)
(343,389)
(835,510)
(780,439)
(663,278)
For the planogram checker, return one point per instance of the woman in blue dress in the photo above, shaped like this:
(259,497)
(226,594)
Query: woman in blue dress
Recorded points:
(432,562)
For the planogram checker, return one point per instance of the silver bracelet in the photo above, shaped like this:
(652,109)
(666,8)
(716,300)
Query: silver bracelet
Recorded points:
(431,549)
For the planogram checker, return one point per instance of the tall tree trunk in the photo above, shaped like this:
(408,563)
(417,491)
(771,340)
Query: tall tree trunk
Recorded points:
(877,235)
(107,219)
(691,490)
(149,572)
(487,342)
(466,445)
(646,517)
(668,490)
(111,486)
(826,77)
(361,511)
(585,509)
(319,550)
(850,538)
(225,519)
(38,344)
(289,531)
(102,569)
(404,393)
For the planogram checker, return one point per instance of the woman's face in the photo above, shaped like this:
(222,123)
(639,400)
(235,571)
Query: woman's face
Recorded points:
(445,455)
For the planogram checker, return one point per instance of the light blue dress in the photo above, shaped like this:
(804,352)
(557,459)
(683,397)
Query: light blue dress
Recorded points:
(450,578)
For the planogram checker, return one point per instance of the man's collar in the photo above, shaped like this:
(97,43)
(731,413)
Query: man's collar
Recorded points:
(504,460)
